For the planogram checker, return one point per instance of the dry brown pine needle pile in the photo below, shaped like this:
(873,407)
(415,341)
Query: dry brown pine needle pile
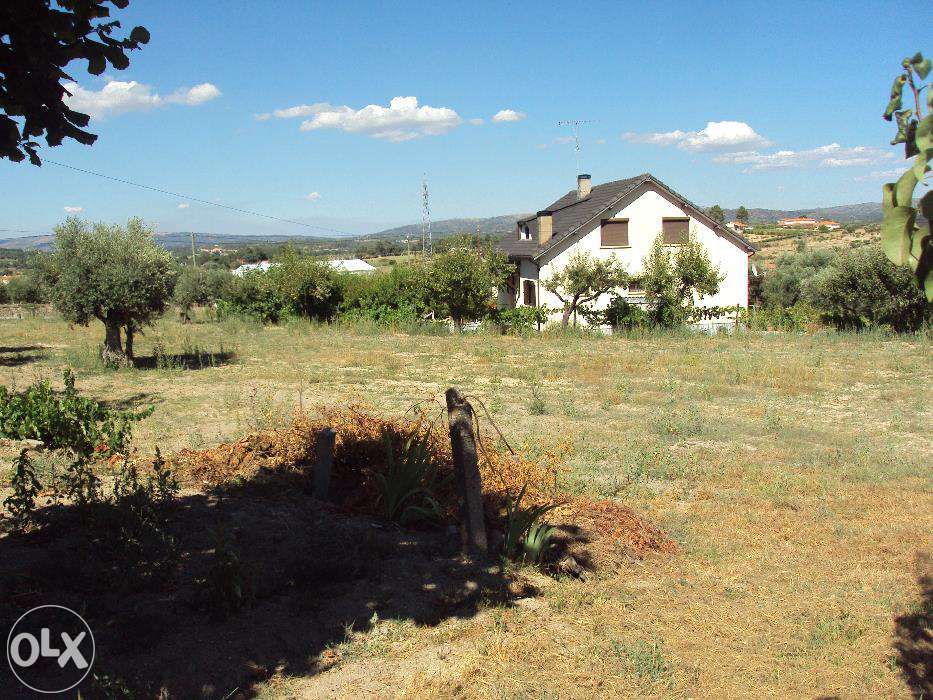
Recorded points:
(360,453)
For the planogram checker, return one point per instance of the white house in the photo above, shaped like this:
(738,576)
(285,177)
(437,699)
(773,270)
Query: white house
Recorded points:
(621,218)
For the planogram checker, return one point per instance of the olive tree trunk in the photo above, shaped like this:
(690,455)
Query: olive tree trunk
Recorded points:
(128,347)
(112,342)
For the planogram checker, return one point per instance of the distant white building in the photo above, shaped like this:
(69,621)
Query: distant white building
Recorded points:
(253,267)
(354,265)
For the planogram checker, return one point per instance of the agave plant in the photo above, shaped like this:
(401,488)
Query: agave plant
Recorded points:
(408,488)
(527,536)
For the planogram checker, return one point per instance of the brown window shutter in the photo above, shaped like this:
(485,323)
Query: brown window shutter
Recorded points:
(529,293)
(614,233)
(675,231)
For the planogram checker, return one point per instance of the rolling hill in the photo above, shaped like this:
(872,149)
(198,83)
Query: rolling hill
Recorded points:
(866,212)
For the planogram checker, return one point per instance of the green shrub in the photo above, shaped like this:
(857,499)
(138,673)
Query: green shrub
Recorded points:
(863,289)
(27,288)
(521,320)
(399,296)
(67,420)
(783,285)
(779,318)
(294,286)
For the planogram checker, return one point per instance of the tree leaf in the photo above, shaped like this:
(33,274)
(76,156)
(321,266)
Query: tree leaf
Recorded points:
(140,35)
(896,233)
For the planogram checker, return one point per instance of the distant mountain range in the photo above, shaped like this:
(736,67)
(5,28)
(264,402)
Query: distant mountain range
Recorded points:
(494,225)
(866,212)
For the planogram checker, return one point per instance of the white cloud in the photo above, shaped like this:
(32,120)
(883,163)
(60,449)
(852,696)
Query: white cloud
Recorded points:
(402,120)
(564,139)
(199,94)
(73,210)
(599,142)
(508,115)
(477,121)
(184,205)
(313,196)
(880,176)
(829,156)
(715,136)
(541,146)
(296,111)
(118,97)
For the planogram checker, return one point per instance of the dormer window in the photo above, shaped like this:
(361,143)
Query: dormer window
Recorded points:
(524,233)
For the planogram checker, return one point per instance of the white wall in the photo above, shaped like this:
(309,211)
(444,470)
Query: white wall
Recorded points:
(644,215)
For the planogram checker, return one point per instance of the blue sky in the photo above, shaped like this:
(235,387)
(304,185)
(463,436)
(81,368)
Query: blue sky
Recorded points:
(763,104)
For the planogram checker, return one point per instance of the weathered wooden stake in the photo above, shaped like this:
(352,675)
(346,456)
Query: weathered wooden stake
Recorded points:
(466,465)
(323,462)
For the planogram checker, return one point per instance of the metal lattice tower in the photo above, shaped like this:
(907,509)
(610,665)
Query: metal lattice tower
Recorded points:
(426,242)
(574,125)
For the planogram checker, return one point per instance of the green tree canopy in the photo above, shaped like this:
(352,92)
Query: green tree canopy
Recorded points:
(674,280)
(117,275)
(462,283)
(783,285)
(198,286)
(716,213)
(37,41)
(864,289)
(584,279)
(741,214)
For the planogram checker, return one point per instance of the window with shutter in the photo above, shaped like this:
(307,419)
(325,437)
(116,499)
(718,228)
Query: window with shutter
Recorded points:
(675,231)
(614,233)
(529,294)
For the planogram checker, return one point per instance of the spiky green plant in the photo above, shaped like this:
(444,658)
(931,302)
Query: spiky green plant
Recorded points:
(408,487)
(904,241)
(527,536)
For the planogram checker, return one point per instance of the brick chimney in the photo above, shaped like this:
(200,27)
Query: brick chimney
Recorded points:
(584,185)
(545,226)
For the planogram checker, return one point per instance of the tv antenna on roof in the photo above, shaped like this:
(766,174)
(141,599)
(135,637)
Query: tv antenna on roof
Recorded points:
(575,125)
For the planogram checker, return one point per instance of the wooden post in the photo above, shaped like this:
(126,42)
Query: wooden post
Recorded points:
(323,462)
(466,465)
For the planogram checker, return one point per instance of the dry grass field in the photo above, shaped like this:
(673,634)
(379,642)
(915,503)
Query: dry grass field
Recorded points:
(794,472)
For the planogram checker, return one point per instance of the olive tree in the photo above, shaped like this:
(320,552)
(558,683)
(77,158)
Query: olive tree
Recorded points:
(674,279)
(584,279)
(116,274)
(462,283)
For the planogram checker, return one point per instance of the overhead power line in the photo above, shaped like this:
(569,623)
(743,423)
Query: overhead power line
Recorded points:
(179,195)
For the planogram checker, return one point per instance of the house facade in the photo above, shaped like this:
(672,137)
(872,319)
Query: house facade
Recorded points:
(621,219)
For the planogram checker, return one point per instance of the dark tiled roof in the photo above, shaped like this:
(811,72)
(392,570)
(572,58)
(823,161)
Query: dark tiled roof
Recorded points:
(570,214)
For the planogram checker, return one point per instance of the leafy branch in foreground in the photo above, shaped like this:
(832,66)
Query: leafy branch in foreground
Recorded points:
(65,420)
(21,504)
(904,241)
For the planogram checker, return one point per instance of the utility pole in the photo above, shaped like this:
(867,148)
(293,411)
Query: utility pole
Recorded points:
(478,245)
(193,258)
